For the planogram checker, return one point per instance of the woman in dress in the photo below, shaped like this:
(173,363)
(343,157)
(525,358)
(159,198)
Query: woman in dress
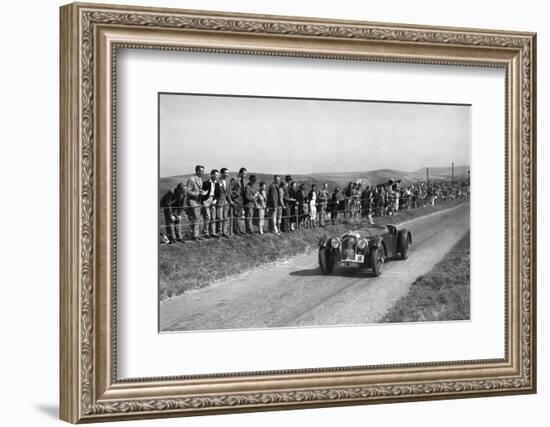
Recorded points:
(261,202)
(312,197)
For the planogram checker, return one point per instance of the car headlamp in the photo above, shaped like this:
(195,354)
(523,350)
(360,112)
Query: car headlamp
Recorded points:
(362,243)
(335,243)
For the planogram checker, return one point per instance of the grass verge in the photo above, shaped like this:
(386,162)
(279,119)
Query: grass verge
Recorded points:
(441,294)
(183,267)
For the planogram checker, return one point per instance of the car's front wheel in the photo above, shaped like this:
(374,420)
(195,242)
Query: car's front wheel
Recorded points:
(377,261)
(326,260)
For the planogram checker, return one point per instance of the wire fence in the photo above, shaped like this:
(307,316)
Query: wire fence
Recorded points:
(186,222)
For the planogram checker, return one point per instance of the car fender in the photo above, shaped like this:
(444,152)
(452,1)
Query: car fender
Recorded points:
(324,242)
(377,242)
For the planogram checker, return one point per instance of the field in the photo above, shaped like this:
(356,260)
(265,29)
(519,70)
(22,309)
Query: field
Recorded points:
(183,267)
(442,294)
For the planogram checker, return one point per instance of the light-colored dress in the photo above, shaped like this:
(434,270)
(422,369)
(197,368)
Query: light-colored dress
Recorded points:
(260,206)
(313,205)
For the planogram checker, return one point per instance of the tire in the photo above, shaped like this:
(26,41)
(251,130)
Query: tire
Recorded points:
(377,261)
(404,244)
(326,261)
(405,248)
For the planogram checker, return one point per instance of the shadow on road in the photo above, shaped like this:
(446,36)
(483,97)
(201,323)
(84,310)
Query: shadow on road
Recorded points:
(338,272)
(306,273)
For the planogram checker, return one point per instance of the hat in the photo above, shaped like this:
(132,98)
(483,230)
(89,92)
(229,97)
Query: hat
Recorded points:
(288,178)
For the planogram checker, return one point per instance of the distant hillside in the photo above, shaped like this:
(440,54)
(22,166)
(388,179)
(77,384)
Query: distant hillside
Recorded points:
(170,182)
(381,176)
(342,178)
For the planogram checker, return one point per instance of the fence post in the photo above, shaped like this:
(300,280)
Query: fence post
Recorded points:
(230,220)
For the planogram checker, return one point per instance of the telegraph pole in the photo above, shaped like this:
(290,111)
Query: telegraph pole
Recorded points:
(453,173)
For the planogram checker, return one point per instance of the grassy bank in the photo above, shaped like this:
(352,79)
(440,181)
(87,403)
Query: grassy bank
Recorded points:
(194,265)
(441,294)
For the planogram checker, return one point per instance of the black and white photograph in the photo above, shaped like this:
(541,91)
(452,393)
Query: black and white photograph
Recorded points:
(270,208)
(291,212)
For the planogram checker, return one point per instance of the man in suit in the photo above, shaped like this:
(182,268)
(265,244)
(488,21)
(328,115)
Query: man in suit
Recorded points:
(194,198)
(272,203)
(222,202)
(236,193)
(281,206)
(208,202)
(250,196)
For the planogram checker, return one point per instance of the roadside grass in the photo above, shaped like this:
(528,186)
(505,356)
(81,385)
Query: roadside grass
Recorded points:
(441,294)
(192,265)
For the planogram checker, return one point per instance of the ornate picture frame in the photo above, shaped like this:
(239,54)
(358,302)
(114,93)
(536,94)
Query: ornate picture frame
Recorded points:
(90,37)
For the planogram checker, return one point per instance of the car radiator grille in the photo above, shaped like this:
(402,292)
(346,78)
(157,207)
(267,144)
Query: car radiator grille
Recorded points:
(349,245)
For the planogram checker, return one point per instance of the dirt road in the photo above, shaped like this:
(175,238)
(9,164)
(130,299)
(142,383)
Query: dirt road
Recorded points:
(296,293)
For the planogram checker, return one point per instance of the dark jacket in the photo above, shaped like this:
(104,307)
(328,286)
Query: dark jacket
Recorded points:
(207,186)
(167,201)
(288,196)
(179,200)
(236,191)
(273,196)
(249,196)
(173,202)
(335,201)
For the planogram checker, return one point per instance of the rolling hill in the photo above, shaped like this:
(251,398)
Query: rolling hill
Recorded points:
(342,178)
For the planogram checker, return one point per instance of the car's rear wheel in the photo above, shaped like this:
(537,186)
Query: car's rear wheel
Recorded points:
(377,261)
(406,246)
(326,260)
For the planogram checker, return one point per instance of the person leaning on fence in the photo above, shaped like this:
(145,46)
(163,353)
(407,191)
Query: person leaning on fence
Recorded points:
(250,196)
(301,200)
(236,193)
(346,194)
(323,197)
(334,204)
(179,208)
(208,202)
(356,201)
(261,206)
(370,204)
(172,204)
(221,196)
(288,203)
(272,203)
(194,195)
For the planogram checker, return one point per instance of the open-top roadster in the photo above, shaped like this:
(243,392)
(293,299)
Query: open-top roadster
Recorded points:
(367,247)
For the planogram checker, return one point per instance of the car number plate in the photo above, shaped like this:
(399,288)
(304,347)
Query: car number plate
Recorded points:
(360,258)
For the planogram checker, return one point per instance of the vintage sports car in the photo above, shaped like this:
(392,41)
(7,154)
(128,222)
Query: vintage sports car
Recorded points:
(367,247)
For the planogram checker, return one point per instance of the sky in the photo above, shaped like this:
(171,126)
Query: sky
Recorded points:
(301,136)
